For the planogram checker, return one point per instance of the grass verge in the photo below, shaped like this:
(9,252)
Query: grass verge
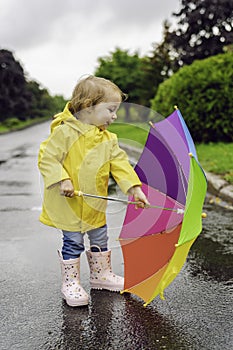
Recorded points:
(217,158)
(13,124)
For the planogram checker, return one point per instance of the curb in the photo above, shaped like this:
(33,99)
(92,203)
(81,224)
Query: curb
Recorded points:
(219,187)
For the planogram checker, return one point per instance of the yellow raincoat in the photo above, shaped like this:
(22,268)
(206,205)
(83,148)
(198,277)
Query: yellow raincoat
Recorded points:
(87,155)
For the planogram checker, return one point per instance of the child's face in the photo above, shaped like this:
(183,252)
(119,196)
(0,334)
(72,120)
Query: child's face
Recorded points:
(104,113)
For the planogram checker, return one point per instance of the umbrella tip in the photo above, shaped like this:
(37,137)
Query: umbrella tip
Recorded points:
(190,155)
(151,124)
(124,291)
(175,107)
(203,215)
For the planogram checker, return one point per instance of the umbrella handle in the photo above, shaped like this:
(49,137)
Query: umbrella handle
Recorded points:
(82,194)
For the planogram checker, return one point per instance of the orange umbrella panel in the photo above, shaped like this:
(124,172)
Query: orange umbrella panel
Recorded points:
(152,252)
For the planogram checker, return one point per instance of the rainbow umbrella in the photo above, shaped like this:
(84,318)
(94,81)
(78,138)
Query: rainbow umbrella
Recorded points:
(155,241)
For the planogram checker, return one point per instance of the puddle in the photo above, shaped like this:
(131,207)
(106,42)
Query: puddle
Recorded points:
(9,209)
(14,183)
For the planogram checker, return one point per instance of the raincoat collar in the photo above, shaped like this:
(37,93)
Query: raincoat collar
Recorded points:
(66,117)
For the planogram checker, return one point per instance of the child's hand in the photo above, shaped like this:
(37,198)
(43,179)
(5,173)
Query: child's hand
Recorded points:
(139,197)
(66,188)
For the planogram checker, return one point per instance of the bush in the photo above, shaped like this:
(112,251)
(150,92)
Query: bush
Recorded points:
(11,123)
(203,92)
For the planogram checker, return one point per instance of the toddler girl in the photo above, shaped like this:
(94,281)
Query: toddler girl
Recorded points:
(79,155)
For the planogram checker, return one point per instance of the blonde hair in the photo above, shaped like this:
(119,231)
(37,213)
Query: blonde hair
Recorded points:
(92,90)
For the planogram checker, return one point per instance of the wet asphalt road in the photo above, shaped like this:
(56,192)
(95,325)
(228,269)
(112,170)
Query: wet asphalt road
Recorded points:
(197,312)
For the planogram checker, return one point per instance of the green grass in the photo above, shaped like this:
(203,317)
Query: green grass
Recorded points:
(132,134)
(14,124)
(217,158)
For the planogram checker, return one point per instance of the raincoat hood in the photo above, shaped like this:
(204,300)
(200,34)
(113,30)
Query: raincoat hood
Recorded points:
(66,117)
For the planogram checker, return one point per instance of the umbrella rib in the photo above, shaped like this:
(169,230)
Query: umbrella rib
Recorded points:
(182,176)
(125,201)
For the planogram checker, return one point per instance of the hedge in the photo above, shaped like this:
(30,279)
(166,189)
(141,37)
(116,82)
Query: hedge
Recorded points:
(203,92)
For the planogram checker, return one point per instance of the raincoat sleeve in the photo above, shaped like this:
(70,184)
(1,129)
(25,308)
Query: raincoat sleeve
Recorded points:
(121,170)
(51,156)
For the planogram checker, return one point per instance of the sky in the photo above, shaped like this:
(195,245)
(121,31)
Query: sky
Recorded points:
(58,41)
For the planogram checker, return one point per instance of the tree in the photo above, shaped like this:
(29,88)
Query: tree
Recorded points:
(204,28)
(160,64)
(137,76)
(124,70)
(14,96)
(42,104)
(22,99)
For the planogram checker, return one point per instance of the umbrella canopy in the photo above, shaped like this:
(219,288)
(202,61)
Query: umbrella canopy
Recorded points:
(155,242)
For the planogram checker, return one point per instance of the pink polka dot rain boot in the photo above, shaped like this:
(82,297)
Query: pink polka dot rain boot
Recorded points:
(101,275)
(72,291)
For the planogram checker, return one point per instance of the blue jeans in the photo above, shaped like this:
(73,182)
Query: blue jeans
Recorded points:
(73,242)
